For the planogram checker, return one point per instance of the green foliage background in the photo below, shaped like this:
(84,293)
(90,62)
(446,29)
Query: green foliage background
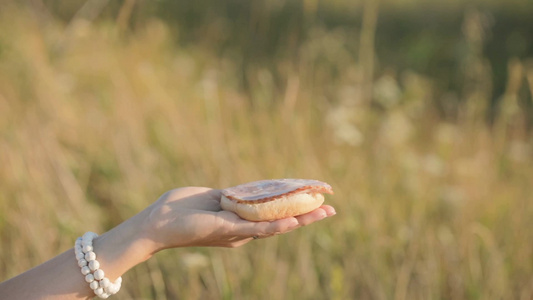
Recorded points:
(418,113)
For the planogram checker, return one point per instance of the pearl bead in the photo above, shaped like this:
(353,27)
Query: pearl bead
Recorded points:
(90,256)
(99,274)
(111,289)
(108,289)
(94,285)
(85,270)
(82,263)
(89,278)
(88,241)
(78,242)
(104,296)
(88,236)
(80,255)
(99,291)
(87,248)
(119,280)
(94,265)
(105,283)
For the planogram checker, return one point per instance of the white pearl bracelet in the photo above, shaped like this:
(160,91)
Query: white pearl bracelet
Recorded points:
(90,267)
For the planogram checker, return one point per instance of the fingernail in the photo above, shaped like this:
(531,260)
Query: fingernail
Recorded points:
(294,223)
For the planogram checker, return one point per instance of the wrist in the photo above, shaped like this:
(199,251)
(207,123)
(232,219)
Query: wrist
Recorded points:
(123,247)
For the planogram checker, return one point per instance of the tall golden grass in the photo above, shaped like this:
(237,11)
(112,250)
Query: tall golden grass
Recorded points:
(95,124)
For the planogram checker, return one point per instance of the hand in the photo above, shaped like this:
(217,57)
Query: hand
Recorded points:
(192,216)
(186,217)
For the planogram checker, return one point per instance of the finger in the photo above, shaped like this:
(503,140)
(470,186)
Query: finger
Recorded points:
(214,197)
(238,243)
(215,194)
(265,229)
(313,216)
(330,211)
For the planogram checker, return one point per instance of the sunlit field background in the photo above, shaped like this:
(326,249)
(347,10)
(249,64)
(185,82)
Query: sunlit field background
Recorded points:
(418,114)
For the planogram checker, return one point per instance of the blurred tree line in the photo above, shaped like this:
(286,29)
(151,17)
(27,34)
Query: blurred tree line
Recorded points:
(446,41)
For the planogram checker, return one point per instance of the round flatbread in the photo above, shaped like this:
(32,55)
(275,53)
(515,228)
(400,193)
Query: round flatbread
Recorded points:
(273,199)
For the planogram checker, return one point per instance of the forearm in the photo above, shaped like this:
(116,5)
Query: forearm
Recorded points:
(60,278)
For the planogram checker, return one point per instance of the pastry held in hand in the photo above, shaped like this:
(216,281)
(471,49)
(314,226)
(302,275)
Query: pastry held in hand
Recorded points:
(275,199)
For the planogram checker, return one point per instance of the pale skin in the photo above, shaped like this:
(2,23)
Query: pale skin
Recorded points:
(184,217)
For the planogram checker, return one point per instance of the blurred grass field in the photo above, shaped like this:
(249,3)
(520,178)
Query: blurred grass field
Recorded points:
(432,186)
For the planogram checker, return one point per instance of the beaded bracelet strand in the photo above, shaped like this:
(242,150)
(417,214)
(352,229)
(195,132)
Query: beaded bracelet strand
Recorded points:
(90,267)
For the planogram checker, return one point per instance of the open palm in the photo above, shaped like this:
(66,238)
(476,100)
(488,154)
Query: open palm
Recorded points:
(192,216)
